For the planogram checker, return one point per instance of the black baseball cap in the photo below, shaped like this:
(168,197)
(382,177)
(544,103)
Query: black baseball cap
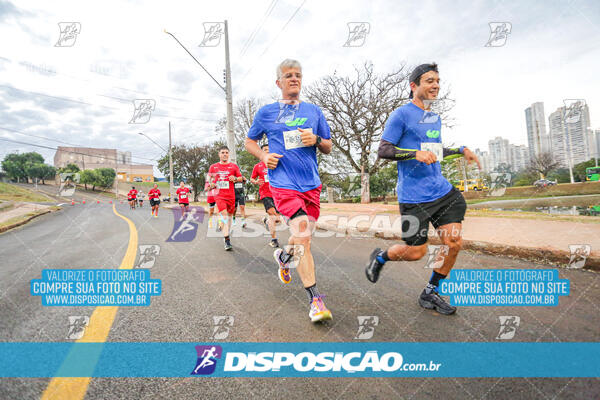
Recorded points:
(420,70)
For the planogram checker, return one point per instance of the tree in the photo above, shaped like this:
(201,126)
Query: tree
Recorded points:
(36,170)
(87,178)
(357,109)
(16,165)
(543,163)
(69,168)
(579,169)
(243,116)
(191,163)
(105,177)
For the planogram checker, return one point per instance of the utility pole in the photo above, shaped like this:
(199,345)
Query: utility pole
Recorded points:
(228,96)
(170,167)
(226,89)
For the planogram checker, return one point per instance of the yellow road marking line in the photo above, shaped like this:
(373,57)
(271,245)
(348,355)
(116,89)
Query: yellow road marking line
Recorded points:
(97,331)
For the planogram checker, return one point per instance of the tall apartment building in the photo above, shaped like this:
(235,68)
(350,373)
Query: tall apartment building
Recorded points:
(569,134)
(538,139)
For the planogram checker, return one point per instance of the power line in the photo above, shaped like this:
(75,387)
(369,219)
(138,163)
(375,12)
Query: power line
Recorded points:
(66,151)
(60,141)
(270,44)
(100,105)
(250,39)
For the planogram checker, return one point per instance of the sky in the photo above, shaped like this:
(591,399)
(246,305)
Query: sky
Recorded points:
(83,94)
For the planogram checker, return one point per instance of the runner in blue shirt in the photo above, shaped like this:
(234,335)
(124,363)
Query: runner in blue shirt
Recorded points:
(412,138)
(294,130)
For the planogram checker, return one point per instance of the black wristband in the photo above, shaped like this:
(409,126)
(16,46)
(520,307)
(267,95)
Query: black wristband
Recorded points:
(319,140)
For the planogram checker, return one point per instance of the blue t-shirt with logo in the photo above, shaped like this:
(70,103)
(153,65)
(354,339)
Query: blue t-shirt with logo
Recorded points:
(408,127)
(297,169)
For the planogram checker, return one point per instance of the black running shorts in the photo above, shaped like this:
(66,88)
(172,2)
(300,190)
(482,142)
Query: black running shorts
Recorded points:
(268,203)
(416,217)
(154,202)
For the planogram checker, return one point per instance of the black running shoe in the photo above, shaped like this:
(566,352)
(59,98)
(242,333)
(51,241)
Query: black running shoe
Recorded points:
(374,266)
(228,245)
(433,301)
(274,243)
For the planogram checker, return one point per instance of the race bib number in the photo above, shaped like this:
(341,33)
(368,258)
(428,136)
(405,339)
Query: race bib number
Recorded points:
(238,185)
(223,184)
(183,196)
(292,139)
(266,179)
(435,148)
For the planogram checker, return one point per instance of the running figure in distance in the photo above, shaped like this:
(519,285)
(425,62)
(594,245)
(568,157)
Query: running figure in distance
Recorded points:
(260,177)
(154,197)
(183,194)
(132,197)
(225,174)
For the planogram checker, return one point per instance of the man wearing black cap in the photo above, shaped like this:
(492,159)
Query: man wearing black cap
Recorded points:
(412,138)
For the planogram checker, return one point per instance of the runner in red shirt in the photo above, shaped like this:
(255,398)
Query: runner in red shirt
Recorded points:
(224,175)
(132,197)
(210,199)
(261,177)
(183,200)
(154,197)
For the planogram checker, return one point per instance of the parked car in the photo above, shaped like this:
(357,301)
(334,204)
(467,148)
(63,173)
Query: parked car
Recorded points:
(544,183)
(137,179)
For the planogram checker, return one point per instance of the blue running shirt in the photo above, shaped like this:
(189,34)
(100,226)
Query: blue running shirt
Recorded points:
(297,169)
(409,127)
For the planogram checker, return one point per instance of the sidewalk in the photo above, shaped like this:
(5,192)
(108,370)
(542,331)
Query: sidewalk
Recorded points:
(17,214)
(533,239)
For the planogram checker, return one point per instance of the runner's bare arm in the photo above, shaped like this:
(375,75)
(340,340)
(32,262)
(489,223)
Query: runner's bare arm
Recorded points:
(310,139)
(270,159)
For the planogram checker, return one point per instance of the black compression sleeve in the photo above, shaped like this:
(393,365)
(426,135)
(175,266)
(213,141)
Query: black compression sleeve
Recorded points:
(388,151)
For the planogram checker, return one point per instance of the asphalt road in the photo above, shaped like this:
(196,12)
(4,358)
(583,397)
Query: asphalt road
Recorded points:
(200,280)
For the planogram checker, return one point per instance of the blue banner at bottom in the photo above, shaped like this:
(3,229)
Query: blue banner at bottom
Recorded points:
(303,359)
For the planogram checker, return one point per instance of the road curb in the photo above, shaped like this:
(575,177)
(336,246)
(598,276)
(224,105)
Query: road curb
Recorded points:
(546,256)
(23,222)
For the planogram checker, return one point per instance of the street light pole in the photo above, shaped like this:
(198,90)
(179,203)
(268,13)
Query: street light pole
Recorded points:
(170,160)
(170,167)
(228,95)
(226,89)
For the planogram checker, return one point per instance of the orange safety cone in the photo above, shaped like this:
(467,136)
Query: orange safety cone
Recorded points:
(110,201)
(97,201)
(72,202)
(83,202)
